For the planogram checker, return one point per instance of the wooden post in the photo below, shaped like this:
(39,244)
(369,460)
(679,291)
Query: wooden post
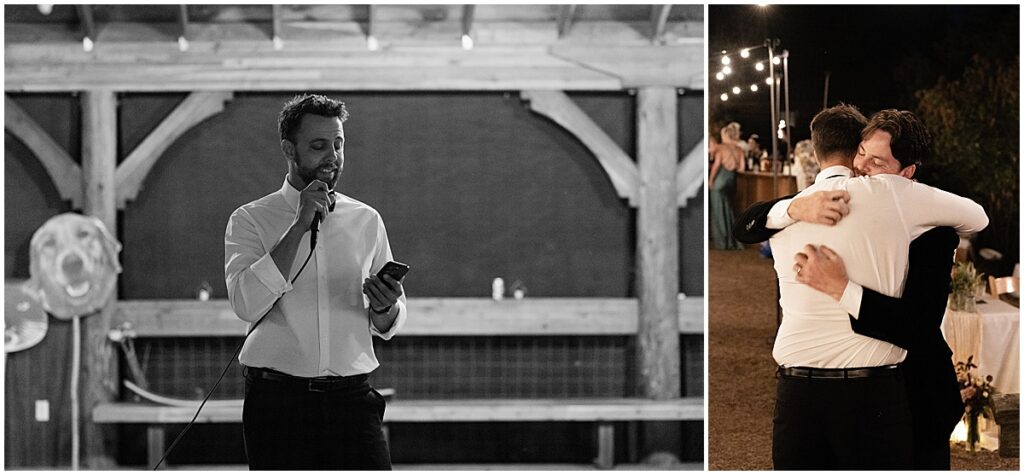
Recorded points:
(658,259)
(658,244)
(99,362)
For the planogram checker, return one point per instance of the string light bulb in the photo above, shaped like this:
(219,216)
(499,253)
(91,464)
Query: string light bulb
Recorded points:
(726,60)
(372,44)
(87,44)
(759,66)
(745,53)
(768,80)
(467,42)
(753,88)
(45,8)
(776,60)
(719,76)
(724,97)
(736,90)
(727,70)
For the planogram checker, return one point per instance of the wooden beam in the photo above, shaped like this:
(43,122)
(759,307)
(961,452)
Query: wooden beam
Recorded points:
(658,244)
(558,107)
(467,19)
(690,174)
(64,172)
(99,361)
(433,317)
(680,65)
(196,108)
(659,17)
(565,16)
(446,410)
(86,21)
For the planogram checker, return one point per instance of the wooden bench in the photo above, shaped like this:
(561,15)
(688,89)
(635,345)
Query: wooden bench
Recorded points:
(603,412)
(433,317)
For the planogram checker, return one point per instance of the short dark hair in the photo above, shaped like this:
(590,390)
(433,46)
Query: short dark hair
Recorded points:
(302,104)
(911,142)
(836,130)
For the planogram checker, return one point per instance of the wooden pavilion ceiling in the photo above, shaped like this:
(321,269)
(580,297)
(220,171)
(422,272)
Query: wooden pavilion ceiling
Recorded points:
(378,47)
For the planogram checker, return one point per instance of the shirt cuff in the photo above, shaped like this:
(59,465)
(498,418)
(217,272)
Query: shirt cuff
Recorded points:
(852,296)
(399,320)
(778,216)
(265,269)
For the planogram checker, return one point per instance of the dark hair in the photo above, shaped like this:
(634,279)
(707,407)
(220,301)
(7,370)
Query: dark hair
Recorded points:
(911,142)
(836,130)
(302,104)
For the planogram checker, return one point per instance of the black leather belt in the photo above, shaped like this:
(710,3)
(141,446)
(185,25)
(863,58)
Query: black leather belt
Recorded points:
(358,382)
(838,373)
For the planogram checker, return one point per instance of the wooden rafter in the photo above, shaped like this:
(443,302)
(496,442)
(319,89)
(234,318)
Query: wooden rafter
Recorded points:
(275,13)
(467,19)
(64,172)
(196,108)
(690,174)
(86,20)
(558,107)
(565,16)
(659,17)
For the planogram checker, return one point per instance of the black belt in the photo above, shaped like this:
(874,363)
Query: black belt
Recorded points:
(838,373)
(358,382)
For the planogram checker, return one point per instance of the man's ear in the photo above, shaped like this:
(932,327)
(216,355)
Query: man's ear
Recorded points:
(288,148)
(908,172)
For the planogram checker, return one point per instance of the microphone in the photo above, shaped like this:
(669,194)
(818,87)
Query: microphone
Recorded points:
(314,227)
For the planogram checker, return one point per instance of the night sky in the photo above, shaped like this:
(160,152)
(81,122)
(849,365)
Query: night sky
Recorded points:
(878,55)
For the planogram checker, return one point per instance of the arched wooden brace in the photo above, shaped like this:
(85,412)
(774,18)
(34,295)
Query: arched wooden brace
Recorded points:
(64,172)
(557,106)
(196,108)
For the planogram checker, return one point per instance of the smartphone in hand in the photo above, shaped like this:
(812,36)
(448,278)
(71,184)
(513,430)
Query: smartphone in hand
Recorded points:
(396,270)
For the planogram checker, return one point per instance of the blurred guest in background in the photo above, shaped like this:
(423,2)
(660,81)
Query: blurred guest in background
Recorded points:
(728,159)
(806,165)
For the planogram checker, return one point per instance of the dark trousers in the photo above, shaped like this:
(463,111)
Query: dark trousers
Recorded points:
(842,424)
(288,426)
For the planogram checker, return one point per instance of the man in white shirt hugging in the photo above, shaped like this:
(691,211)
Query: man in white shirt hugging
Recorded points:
(313,304)
(841,400)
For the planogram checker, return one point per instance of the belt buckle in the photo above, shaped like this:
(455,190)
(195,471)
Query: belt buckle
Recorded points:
(317,388)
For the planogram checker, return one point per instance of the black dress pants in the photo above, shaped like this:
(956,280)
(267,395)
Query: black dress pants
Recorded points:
(288,426)
(842,424)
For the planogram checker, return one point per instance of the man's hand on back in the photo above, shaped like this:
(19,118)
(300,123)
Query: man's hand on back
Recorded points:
(822,269)
(822,207)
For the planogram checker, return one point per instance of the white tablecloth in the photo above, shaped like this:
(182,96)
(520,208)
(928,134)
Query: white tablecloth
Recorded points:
(992,336)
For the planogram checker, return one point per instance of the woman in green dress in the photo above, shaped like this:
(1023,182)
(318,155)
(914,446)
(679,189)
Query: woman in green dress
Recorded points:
(727,161)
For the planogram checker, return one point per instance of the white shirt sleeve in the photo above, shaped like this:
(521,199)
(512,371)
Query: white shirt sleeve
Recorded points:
(778,216)
(381,257)
(851,299)
(924,207)
(253,280)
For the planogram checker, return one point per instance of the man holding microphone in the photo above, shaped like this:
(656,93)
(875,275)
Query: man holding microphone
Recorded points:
(299,266)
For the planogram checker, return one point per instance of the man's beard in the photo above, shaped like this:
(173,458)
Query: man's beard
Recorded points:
(307,175)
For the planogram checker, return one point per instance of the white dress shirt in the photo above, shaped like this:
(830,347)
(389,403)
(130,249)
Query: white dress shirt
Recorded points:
(319,326)
(886,213)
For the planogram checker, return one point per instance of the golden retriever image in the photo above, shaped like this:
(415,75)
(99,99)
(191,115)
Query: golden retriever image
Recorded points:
(73,265)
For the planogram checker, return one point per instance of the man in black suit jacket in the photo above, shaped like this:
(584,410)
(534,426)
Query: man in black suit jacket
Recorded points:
(912,322)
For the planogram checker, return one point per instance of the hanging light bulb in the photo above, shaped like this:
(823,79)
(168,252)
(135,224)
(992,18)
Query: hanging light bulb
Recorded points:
(371,43)
(467,42)
(182,44)
(776,60)
(724,97)
(753,88)
(745,53)
(727,70)
(736,90)
(768,81)
(45,8)
(759,66)
(726,60)
(87,44)
(719,76)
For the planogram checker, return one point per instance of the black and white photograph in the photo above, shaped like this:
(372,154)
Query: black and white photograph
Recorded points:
(354,236)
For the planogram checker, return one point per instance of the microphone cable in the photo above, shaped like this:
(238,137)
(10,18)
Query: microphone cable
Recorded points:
(312,246)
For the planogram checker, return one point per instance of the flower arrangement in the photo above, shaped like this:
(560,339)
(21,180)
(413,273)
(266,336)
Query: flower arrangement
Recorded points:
(977,396)
(965,285)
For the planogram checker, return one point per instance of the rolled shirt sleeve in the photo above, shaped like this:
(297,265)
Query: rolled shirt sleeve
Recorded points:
(253,280)
(778,216)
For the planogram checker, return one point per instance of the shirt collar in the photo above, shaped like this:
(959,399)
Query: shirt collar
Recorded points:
(291,195)
(833,171)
